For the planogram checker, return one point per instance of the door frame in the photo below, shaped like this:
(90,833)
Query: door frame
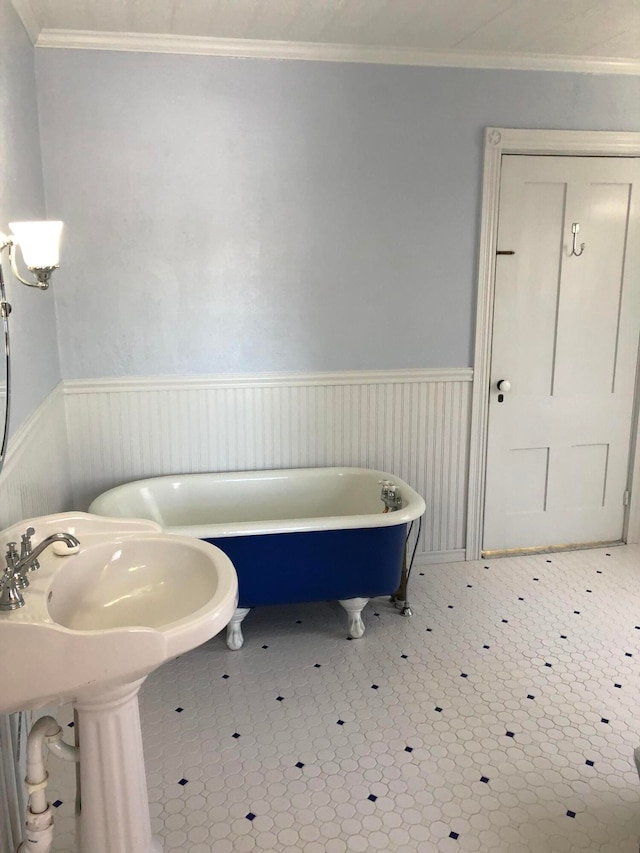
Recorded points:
(499,141)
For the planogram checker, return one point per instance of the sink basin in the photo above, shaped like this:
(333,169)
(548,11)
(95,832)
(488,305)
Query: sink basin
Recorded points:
(151,581)
(94,625)
(129,600)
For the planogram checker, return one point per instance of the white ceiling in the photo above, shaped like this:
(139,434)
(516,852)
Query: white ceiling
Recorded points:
(602,33)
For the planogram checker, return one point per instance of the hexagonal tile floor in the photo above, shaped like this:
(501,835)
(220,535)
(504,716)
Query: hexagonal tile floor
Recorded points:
(501,717)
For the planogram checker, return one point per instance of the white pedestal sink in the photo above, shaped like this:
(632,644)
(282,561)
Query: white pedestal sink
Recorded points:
(94,625)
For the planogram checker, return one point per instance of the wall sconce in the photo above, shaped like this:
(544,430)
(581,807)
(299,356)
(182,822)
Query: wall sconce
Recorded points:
(40,246)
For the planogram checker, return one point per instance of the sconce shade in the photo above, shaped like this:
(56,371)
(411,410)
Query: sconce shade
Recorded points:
(39,243)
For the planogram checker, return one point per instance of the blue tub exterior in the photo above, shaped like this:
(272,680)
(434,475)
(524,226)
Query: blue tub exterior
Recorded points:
(290,568)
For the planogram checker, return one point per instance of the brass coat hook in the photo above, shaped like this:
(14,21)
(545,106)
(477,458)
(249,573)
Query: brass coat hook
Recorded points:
(575,228)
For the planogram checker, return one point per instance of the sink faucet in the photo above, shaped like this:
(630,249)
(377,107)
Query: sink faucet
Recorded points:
(28,559)
(14,578)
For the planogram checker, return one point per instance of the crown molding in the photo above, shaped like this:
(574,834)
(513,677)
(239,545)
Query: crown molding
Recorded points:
(261,49)
(28,18)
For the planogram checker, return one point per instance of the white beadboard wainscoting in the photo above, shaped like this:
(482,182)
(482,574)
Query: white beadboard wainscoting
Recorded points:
(414,424)
(88,436)
(36,477)
(34,481)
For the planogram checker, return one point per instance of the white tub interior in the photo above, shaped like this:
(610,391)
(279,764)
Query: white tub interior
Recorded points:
(249,503)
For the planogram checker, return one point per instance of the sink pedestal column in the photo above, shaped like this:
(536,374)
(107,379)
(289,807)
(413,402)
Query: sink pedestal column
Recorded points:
(113,788)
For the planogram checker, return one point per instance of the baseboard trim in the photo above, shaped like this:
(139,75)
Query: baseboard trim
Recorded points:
(434,558)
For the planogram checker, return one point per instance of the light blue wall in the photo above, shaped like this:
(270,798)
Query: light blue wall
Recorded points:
(36,368)
(233,215)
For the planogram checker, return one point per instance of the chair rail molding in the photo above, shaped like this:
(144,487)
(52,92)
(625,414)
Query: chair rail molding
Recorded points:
(500,141)
(266,380)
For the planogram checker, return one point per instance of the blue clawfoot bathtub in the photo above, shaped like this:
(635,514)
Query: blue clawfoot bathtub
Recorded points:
(306,534)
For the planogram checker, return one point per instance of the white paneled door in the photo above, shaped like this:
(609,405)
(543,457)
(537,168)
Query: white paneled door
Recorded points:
(564,351)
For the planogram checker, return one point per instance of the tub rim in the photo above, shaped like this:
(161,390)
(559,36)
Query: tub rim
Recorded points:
(414,504)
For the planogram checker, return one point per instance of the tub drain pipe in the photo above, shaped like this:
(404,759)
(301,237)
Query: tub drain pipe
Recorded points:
(39,822)
(401,596)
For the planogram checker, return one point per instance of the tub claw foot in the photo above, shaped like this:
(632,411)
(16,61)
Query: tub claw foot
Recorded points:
(235,639)
(354,608)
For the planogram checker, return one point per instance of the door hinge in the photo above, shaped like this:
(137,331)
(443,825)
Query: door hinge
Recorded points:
(626,498)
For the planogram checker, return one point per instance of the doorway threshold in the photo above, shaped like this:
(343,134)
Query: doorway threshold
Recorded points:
(549,549)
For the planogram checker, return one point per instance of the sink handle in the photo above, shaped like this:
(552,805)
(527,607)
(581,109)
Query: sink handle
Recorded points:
(10,597)
(12,555)
(26,549)
(13,560)
(12,582)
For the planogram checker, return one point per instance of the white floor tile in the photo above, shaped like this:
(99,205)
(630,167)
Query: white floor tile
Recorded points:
(501,717)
